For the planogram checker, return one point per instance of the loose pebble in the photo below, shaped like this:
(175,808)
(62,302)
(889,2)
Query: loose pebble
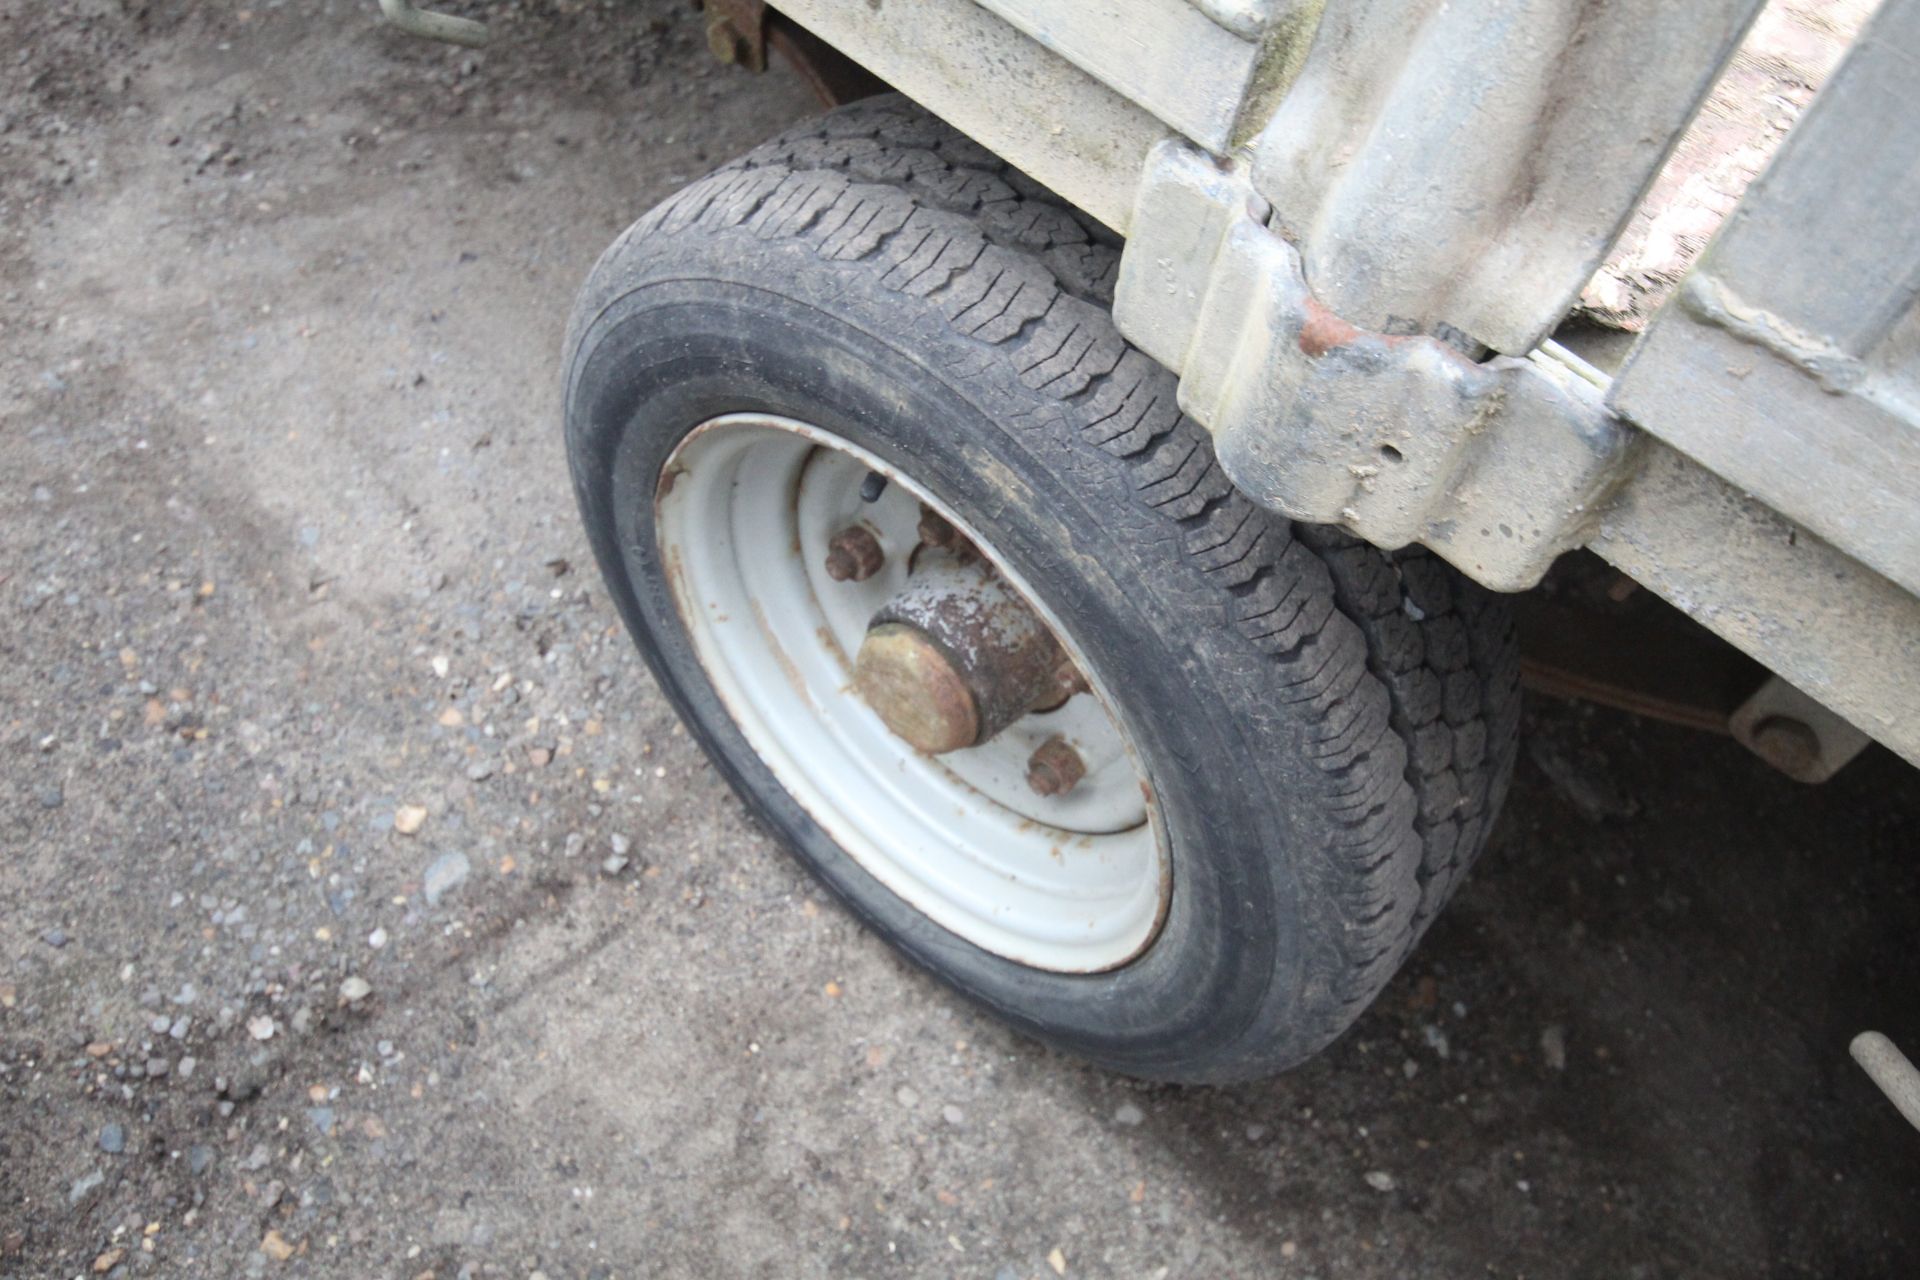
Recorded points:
(445,874)
(1553,1047)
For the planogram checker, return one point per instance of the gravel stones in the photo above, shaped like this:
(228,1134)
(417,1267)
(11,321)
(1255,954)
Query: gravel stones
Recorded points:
(451,1228)
(277,1246)
(445,874)
(84,1186)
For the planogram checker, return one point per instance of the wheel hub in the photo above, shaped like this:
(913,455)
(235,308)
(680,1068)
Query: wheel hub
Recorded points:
(957,656)
(916,689)
(911,694)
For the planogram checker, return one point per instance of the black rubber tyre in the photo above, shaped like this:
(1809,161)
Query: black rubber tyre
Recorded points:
(1328,729)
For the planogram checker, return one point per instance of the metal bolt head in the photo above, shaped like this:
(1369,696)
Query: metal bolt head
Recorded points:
(1067,682)
(854,554)
(913,687)
(1788,745)
(1055,768)
(722,40)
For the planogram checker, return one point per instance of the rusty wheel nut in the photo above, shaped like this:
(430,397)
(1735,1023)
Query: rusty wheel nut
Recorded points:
(854,554)
(1071,682)
(1067,681)
(935,530)
(1055,768)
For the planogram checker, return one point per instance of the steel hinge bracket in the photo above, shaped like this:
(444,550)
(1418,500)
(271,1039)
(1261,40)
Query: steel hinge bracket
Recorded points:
(1497,465)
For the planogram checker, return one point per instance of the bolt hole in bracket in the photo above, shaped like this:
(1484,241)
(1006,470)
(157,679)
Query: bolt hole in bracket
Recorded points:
(1498,465)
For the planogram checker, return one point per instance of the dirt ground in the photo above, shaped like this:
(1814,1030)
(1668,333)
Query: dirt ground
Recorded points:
(288,564)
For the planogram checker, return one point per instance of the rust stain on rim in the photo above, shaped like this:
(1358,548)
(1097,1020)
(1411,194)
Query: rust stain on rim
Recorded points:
(780,656)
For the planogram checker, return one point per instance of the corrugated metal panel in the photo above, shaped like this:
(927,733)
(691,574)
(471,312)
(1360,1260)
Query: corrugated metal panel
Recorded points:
(1165,55)
(1790,361)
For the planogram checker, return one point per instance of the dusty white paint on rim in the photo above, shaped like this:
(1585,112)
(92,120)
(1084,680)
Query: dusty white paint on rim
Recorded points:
(1072,884)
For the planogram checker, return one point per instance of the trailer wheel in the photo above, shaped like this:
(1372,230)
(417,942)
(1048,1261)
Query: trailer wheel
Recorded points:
(962,606)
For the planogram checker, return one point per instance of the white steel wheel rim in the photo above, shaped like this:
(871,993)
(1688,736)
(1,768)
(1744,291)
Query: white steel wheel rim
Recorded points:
(1073,884)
